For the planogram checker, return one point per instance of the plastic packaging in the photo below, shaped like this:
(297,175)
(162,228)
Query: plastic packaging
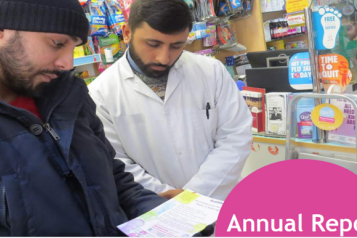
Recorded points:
(225,34)
(115,16)
(99,26)
(109,55)
(304,122)
(212,39)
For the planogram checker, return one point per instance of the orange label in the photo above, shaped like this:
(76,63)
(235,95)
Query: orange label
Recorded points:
(334,69)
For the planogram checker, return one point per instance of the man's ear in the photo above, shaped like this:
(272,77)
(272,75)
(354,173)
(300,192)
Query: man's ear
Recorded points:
(127,33)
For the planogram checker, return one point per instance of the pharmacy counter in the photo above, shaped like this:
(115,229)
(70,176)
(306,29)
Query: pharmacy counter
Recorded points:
(267,150)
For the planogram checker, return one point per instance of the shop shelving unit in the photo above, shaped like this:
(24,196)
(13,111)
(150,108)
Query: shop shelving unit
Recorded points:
(90,59)
(291,151)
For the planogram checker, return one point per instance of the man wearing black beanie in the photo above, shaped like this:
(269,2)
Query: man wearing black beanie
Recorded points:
(58,175)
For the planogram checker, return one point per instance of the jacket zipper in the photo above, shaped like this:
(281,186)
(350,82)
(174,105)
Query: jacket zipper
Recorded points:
(46,125)
(52,132)
(4,210)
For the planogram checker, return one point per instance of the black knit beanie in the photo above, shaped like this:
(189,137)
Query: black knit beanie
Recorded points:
(50,16)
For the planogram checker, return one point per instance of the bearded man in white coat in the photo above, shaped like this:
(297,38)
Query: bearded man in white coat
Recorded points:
(175,118)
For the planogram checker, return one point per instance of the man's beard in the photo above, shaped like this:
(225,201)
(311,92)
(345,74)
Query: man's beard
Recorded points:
(146,68)
(17,73)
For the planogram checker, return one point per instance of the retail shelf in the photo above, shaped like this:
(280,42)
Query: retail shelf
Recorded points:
(275,11)
(232,48)
(90,59)
(282,38)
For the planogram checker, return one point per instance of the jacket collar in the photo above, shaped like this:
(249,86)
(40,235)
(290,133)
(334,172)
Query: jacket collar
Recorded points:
(54,93)
(57,91)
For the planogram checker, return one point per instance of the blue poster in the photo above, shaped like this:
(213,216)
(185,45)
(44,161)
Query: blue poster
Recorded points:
(327,24)
(300,77)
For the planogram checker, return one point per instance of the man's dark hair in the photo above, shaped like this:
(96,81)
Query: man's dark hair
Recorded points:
(165,16)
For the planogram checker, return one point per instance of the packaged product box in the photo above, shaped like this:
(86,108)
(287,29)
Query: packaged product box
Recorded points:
(303,118)
(212,39)
(346,133)
(257,125)
(89,47)
(254,102)
(252,99)
(278,45)
(276,113)
(109,47)
(263,5)
(262,91)
(79,52)
(267,33)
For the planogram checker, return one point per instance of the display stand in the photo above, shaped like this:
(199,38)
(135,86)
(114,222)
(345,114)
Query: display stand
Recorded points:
(291,151)
(316,86)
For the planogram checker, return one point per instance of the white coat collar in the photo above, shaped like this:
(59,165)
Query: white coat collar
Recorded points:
(128,73)
(141,87)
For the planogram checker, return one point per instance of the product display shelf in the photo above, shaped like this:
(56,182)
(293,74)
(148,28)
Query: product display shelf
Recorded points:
(291,149)
(90,59)
(287,37)
(272,15)
(272,12)
(249,32)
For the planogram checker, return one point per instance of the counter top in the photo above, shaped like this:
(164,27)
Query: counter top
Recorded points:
(306,143)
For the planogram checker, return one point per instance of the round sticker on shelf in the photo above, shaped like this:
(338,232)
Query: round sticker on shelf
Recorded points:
(327,117)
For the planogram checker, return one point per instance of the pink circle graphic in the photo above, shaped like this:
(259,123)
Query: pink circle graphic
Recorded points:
(292,198)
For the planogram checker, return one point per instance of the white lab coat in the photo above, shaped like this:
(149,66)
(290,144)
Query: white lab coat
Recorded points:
(172,144)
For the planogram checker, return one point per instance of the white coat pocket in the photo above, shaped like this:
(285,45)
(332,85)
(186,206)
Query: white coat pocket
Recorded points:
(206,128)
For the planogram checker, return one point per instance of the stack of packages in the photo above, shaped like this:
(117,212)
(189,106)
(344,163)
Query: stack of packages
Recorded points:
(106,19)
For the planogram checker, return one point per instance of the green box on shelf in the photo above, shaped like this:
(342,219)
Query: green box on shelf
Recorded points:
(112,41)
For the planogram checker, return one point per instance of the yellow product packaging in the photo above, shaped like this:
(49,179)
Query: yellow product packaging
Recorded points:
(78,52)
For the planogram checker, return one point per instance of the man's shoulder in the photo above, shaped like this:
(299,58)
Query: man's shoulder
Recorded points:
(106,78)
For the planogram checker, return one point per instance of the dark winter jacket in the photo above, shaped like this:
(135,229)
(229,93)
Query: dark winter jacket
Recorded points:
(58,176)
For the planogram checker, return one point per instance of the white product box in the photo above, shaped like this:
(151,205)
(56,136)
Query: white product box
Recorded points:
(276,113)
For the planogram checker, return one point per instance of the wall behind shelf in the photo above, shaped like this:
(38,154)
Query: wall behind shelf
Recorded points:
(249,32)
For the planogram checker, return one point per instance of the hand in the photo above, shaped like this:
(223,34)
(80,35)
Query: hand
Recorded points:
(171,193)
